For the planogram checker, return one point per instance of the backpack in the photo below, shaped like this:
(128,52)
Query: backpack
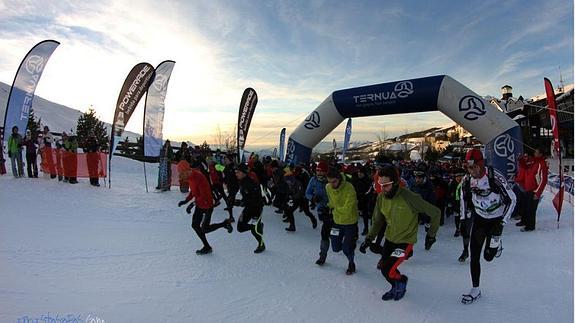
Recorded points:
(466,188)
(493,187)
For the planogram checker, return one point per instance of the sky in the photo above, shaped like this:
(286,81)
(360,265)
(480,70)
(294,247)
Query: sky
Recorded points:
(293,53)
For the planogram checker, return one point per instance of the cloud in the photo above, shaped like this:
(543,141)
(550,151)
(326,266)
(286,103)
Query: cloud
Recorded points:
(293,54)
(549,17)
(512,63)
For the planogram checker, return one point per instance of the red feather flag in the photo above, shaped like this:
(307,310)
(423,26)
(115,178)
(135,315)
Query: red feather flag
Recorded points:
(558,199)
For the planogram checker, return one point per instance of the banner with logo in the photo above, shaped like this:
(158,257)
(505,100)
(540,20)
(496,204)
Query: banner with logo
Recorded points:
(346,139)
(550,93)
(135,85)
(558,199)
(247,108)
(441,92)
(22,92)
(408,96)
(282,144)
(503,152)
(155,108)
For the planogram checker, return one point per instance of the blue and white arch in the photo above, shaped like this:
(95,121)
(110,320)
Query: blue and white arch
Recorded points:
(500,134)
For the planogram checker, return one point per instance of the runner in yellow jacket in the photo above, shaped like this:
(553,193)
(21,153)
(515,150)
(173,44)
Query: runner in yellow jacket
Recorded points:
(343,205)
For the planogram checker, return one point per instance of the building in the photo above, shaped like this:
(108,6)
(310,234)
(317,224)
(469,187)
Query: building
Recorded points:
(533,117)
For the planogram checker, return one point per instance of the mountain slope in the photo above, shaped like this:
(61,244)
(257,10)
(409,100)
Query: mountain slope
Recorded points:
(57,117)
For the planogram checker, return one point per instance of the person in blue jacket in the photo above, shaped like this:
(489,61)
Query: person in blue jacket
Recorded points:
(316,193)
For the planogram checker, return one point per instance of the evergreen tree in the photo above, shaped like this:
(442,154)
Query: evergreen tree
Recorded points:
(33,125)
(88,123)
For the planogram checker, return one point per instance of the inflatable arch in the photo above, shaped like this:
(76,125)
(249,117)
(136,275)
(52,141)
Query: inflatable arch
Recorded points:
(500,134)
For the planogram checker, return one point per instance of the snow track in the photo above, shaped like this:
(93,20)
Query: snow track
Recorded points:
(126,256)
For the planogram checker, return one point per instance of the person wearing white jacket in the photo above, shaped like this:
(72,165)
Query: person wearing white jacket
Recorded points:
(488,200)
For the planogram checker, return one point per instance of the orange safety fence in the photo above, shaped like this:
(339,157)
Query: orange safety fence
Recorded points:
(65,163)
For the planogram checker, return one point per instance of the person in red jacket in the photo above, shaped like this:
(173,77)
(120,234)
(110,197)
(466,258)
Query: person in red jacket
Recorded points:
(523,164)
(535,182)
(201,193)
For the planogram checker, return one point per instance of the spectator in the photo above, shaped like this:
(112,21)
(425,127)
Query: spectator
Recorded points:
(31,155)
(535,182)
(92,149)
(70,158)
(15,152)
(48,152)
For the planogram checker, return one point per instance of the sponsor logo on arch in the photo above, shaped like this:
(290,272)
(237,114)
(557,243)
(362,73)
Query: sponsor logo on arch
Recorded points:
(472,106)
(504,148)
(290,155)
(401,90)
(312,121)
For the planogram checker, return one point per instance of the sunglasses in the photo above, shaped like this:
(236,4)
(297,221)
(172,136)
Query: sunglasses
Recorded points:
(384,184)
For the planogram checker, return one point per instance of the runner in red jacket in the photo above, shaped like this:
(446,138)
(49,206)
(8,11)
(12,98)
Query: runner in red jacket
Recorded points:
(201,193)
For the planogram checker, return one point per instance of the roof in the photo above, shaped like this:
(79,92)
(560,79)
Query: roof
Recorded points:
(441,129)
(566,89)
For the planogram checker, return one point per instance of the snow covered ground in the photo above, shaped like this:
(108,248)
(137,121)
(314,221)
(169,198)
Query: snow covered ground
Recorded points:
(124,255)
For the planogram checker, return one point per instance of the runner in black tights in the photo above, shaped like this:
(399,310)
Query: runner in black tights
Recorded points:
(488,200)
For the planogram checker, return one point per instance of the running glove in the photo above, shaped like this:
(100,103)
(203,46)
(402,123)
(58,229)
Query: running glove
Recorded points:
(190,207)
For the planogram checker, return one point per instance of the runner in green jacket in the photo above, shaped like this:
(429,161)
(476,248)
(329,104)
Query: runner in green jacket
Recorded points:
(398,207)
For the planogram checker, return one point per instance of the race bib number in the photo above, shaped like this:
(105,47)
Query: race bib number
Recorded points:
(494,243)
(334,232)
(398,253)
(253,221)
